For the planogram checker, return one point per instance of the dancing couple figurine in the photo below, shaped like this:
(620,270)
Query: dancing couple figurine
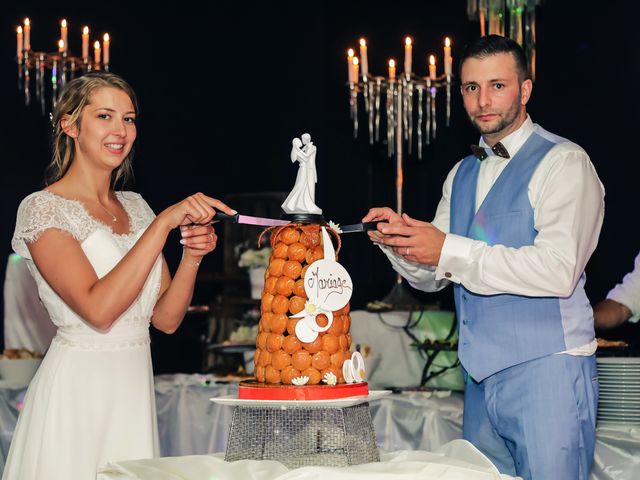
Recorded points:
(302,197)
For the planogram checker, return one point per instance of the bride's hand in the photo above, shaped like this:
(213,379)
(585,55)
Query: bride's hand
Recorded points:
(195,209)
(198,240)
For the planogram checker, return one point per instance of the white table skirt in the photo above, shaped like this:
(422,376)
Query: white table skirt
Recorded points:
(189,424)
(26,321)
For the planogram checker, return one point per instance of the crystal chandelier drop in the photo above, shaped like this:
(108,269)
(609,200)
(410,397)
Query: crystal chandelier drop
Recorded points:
(513,18)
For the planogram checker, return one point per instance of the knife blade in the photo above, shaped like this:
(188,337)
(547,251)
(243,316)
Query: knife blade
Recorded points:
(249,220)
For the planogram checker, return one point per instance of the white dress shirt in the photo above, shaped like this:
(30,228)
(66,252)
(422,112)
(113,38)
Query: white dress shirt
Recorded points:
(628,292)
(567,198)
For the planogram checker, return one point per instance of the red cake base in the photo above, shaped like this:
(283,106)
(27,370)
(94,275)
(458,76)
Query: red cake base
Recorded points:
(252,390)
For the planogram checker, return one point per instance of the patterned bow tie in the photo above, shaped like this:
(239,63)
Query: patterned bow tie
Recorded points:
(482,153)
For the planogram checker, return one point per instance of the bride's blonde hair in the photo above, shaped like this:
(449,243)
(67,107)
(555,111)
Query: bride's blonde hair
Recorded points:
(73,98)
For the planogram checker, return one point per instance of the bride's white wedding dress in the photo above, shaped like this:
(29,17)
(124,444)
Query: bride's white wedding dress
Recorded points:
(92,399)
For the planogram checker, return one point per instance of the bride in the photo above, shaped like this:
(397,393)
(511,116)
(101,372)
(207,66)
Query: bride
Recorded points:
(96,255)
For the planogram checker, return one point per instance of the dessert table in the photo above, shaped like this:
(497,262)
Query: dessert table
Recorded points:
(383,335)
(189,424)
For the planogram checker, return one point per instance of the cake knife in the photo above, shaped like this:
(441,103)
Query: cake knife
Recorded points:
(272,222)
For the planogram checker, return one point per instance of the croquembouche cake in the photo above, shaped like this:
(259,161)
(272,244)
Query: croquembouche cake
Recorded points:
(303,341)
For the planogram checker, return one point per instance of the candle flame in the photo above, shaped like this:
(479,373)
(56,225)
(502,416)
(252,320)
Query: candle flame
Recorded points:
(407,41)
(355,60)
(350,53)
(96,45)
(64,23)
(447,42)
(85,31)
(27,22)
(106,37)
(392,63)
(363,42)
(61,45)
(19,30)
(432,60)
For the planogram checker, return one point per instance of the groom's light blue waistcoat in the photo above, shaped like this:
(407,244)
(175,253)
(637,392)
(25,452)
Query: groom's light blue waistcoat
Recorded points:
(499,331)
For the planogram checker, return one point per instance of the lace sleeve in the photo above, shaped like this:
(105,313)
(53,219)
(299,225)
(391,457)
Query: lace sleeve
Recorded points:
(37,213)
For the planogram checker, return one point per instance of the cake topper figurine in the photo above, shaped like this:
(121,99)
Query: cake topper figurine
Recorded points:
(302,197)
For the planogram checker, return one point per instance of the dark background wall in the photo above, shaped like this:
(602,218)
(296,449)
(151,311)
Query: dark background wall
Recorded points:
(224,87)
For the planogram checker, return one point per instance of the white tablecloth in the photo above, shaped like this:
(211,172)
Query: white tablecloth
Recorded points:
(190,424)
(457,460)
(617,454)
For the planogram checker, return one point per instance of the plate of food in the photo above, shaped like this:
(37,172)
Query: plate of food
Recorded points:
(18,366)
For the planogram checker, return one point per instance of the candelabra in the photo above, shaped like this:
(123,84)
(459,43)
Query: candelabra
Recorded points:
(54,69)
(409,105)
(520,16)
(409,89)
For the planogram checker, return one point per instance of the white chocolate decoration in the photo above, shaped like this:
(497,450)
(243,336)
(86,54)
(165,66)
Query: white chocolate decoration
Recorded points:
(335,226)
(353,369)
(346,372)
(329,378)
(302,380)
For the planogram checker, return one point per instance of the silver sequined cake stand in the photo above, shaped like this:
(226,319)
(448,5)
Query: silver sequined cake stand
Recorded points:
(335,433)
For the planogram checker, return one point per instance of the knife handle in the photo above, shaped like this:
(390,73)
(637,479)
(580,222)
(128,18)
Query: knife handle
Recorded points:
(225,216)
(359,227)
(366,226)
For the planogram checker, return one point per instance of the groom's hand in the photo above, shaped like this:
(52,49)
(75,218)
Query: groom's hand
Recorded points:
(385,216)
(417,241)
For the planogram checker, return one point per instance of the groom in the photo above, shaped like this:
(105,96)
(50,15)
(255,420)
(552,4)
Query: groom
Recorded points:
(515,227)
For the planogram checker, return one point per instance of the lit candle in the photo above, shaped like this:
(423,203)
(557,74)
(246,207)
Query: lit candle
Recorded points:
(63,33)
(61,45)
(407,55)
(85,44)
(350,54)
(432,67)
(363,57)
(105,47)
(356,66)
(392,68)
(96,52)
(27,34)
(20,43)
(447,56)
